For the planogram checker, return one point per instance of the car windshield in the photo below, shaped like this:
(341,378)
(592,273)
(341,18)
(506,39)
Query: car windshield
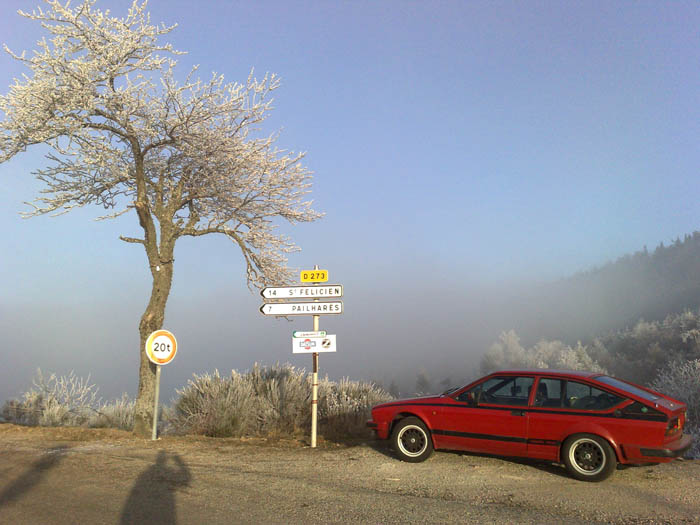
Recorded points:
(626,387)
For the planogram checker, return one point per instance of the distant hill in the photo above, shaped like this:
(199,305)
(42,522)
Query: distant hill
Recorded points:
(644,285)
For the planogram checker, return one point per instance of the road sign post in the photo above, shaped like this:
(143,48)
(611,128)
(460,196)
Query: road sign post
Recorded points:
(161,347)
(314,387)
(314,341)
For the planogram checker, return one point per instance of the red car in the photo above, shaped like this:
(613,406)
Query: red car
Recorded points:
(586,420)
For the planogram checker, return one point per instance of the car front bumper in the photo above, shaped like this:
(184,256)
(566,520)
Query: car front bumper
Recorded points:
(381,429)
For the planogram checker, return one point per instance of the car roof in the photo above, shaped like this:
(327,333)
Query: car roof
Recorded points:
(549,371)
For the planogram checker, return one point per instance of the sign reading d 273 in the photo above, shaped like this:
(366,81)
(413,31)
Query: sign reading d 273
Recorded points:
(313,276)
(161,347)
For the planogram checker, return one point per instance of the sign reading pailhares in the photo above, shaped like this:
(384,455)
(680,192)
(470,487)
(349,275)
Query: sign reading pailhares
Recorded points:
(161,347)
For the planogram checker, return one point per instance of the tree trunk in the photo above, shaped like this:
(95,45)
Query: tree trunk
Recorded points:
(151,320)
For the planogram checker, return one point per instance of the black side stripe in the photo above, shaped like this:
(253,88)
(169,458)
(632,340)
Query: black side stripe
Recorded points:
(491,437)
(638,417)
(479,436)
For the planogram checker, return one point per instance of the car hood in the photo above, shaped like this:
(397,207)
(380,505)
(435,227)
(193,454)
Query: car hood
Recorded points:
(413,400)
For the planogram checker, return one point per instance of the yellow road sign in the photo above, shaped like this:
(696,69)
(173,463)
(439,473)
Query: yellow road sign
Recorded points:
(314,276)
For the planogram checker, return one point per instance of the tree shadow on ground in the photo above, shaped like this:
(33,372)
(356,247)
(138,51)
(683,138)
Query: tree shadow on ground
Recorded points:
(32,476)
(152,498)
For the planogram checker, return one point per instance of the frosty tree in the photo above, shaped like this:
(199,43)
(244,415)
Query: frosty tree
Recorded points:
(125,135)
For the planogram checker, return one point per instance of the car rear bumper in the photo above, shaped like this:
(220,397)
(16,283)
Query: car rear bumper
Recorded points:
(677,449)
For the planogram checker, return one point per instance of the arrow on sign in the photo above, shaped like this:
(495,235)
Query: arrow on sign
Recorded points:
(320,308)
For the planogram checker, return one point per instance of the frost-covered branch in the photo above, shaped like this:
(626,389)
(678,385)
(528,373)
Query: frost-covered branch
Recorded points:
(126,135)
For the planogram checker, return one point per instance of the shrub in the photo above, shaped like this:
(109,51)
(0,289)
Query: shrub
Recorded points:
(681,380)
(214,406)
(54,401)
(269,401)
(117,414)
(344,407)
(285,394)
(67,401)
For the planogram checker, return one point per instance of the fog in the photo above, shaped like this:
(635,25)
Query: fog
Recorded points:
(469,158)
(391,329)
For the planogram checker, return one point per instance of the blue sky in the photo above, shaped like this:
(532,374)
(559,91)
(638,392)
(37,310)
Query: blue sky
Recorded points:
(457,147)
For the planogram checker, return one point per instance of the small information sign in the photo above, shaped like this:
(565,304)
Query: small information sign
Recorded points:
(319,333)
(313,345)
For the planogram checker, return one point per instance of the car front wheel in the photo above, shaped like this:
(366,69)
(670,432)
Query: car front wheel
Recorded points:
(588,457)
(411,441)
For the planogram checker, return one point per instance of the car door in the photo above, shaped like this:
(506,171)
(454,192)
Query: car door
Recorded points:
(490,417)
(561,405)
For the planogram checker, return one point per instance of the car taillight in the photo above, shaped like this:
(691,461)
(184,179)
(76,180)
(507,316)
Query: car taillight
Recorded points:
(673,426)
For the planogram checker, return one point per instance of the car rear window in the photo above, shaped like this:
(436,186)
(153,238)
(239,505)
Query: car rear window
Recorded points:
(626,387)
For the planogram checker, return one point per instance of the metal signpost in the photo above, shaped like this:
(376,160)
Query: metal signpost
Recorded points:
(310,342)
(161,347)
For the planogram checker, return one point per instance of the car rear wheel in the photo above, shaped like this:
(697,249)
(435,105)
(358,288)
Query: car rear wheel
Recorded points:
(411,441)
(588,457)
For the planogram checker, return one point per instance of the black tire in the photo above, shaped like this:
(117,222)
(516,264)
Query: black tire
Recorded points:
(411,440)
(588,457)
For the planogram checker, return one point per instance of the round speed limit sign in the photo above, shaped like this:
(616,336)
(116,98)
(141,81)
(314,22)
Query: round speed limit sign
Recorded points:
(161,347)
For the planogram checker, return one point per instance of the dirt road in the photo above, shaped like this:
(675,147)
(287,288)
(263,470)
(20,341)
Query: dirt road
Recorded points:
(106,476)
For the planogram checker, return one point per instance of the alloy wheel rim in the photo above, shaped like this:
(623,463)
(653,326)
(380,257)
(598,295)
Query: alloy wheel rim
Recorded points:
(412,440)
(587,456)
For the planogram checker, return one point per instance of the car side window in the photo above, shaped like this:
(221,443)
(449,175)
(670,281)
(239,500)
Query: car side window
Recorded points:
(587,397)
(508,390)
(549,393)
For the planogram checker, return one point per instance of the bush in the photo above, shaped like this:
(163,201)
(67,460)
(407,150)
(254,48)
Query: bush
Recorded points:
(269,401)
(266,401)
(67,401)
(117,414)
(681,380)
(344,407)
(54,401)
(214,406)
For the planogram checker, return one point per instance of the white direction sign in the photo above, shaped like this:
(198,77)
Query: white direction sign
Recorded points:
(302,292)
(312,345)
(320,308)
(319,333)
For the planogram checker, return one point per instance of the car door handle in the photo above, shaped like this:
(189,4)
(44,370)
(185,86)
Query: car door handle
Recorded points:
(517,412)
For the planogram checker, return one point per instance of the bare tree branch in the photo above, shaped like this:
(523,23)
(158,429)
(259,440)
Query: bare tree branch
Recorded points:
(131,239)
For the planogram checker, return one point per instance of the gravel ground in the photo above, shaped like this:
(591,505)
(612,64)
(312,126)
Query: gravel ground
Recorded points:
(105,476)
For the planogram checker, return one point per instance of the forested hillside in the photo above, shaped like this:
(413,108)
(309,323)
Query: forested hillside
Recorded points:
(644,285)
